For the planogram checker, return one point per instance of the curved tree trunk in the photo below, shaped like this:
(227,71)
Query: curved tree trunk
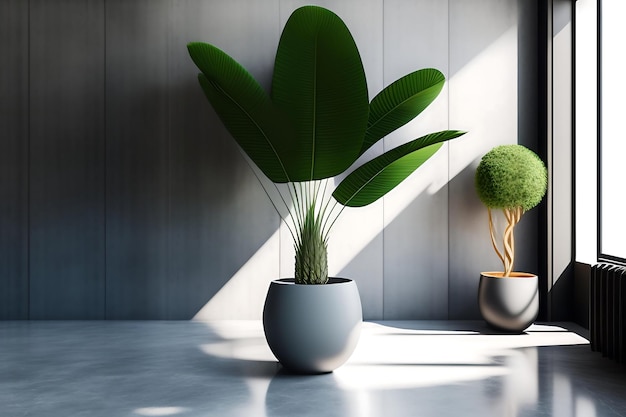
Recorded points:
(513,217)
(493,236)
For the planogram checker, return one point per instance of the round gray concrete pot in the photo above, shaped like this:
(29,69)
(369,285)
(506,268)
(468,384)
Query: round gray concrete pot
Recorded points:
(312,329)
(510,304)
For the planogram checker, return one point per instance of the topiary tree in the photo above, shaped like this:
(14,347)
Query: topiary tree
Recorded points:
(514,179)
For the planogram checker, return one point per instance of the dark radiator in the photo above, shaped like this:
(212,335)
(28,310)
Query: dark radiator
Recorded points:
(607,320)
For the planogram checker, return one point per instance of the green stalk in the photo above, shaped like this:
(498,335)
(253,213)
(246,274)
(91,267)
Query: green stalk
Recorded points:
(311,251)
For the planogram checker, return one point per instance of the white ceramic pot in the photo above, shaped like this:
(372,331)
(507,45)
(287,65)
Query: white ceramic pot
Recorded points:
(510,303)
(312,329)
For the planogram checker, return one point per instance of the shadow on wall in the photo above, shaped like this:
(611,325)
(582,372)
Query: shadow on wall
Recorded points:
(220,213)
(183,211)
(416,281)
(562,297)
(187,227)
(186,212)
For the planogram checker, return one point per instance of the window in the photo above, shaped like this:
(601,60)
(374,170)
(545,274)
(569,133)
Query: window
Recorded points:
(612,130)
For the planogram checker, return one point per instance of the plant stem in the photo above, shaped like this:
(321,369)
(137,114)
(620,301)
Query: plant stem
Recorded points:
(493,237)
(513,216)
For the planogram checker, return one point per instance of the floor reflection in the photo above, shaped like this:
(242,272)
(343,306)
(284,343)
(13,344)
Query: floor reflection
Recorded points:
(225,369)
(430,368)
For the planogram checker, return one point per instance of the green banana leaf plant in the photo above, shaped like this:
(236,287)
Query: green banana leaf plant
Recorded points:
(316,123)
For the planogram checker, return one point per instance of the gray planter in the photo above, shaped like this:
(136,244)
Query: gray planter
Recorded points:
(511,303)
(312,329)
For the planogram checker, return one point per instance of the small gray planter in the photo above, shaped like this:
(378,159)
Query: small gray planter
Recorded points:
(312,329)
(511,303)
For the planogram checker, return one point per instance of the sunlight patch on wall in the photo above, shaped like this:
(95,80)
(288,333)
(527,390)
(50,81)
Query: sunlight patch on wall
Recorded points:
(489,83)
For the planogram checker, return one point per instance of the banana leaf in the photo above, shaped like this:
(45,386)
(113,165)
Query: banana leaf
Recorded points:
(401,102)
(245,109)
(319,82)
(377,177)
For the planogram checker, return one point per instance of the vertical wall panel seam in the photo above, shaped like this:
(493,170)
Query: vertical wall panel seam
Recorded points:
(384,275)
(105,162)
(598,129)
(169,270)
(448,187)
(550,91)
(550,132)
(573,138)
(27,169)
(280,218)
(165,309)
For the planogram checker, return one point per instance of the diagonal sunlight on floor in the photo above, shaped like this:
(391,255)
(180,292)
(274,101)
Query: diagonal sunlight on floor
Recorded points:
(409,354)
(225,369)
(400,356)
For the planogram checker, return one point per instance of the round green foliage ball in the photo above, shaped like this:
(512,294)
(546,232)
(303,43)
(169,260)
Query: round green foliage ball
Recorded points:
(511,176)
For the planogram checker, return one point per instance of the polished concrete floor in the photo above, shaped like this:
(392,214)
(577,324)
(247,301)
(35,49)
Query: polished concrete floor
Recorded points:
(412,368)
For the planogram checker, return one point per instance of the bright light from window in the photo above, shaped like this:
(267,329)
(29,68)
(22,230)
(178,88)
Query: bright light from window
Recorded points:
(613,145)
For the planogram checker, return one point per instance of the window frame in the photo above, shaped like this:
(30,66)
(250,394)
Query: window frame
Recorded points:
(602,257)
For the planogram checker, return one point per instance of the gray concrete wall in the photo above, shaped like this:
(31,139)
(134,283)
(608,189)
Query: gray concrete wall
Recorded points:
(125,198)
